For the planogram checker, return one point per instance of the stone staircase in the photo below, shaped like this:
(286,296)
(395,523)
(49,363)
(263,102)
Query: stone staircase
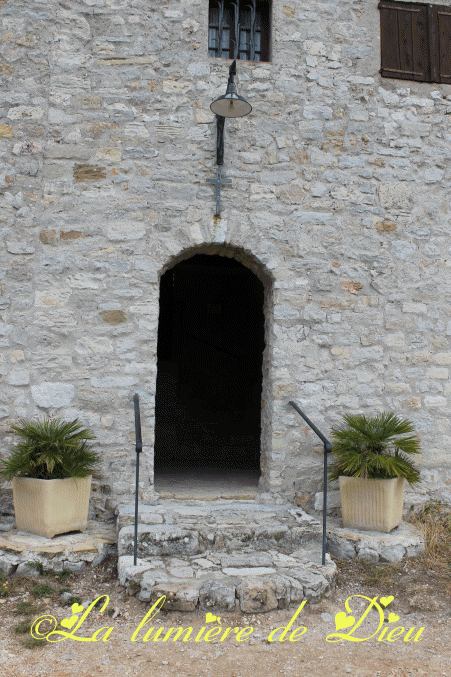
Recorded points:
(223,555)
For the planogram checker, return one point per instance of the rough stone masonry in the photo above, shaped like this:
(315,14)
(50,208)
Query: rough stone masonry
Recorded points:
(339,203)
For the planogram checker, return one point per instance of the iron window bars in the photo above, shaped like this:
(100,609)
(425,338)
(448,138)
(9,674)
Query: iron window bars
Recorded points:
(239,29)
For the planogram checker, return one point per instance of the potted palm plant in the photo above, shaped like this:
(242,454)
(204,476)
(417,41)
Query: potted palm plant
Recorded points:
(372,466)
(50,469)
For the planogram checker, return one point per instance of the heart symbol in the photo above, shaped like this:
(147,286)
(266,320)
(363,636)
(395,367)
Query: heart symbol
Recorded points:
(209,618)
(386,600)
(69,622)
(343,621)
(393,618)
(76,608)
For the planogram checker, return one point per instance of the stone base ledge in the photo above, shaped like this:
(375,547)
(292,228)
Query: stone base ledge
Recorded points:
(404,541)
(73,551)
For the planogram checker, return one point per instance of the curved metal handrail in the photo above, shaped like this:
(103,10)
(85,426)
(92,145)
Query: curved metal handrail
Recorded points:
(327,450)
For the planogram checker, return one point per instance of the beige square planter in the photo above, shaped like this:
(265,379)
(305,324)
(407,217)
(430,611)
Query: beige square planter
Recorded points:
(371,503)
(49,507)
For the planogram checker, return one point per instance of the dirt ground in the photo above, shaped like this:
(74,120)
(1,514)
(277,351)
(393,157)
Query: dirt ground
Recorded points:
(421,599)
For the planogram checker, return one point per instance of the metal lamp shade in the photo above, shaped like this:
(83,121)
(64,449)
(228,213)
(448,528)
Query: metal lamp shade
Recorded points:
(231,105)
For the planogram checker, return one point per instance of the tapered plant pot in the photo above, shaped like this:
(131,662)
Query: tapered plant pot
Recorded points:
(50,507)
(371,503)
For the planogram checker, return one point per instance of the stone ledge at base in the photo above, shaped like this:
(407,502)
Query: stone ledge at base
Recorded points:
(374,546)
(250,581)
(74,551)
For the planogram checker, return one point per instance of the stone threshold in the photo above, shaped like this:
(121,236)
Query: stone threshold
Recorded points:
(73,551)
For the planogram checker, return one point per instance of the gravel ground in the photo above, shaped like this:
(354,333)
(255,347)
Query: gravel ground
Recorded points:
(421,599)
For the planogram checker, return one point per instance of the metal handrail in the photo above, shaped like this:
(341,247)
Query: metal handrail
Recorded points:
(139,448)
(327,450)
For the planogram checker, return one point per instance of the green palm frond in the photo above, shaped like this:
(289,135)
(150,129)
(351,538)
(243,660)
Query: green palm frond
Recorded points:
(50,449)
(376,447)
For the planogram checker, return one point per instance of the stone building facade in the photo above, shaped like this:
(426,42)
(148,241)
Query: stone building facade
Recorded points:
(337,216)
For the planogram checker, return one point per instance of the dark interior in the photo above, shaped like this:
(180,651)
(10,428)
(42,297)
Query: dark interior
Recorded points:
(209,369)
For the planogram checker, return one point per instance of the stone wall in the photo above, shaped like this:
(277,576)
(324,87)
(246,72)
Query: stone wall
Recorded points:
(339,200)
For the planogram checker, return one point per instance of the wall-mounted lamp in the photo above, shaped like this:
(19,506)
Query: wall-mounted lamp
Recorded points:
(229,105)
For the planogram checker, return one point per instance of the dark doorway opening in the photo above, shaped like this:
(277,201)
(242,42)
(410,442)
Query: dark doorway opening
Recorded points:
(209,368)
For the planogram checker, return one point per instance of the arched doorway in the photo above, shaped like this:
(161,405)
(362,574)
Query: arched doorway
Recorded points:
(209,371)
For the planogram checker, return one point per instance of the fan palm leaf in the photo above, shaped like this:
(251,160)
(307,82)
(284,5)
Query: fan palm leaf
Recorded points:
(377,447)
(50,449)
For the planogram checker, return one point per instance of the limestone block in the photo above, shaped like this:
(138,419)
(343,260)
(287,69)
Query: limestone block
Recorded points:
(60,117)
(198,68)
(113,381)
(127,570)
(136,130)
(8,562)
(48,237)
(24,570)
(333,500)
(75,567)
(385,226)
(395,195)
(75,23)
(19,377)
(68,151)
(52,297)
(179,596)
(340,547)
(108,153)
(113,316)
(432,401)
(248,571)
(49,394)
(19,247)
(433,175)
(252,559)
(438,372)
(312,112)
(6,131)
(318,189)
(126,231)
(392,553)
(25,113)
(181,572)
(217,595)
(257,595)
(315,48)
(88,172)
(368,554)
(85,281)
(414,308)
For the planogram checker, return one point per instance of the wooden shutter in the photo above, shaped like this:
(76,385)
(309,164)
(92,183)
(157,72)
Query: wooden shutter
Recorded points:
(404,41)
(441,55)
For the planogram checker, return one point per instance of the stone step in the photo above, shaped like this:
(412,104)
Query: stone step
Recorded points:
(243,555)
(249,580)
(185,530)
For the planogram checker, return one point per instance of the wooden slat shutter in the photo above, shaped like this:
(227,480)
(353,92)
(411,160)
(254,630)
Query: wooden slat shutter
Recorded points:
(404,41)
(442,24)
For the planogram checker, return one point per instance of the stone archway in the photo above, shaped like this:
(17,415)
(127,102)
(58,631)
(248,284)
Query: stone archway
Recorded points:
(211,370)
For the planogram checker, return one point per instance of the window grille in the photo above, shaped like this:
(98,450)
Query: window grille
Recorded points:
(239,29)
